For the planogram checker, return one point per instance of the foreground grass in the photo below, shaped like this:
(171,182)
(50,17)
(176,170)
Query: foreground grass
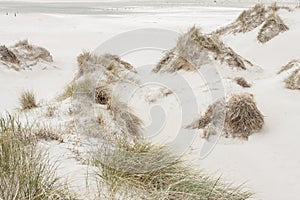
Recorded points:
(25,172)
(145,171)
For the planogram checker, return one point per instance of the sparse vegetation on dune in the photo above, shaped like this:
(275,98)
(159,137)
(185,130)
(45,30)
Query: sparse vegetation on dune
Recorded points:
(145,171)
(27,100)
(293,81)
(193,49)
(23,55)
(238,117)
(25,171)
(271,28)
(258,15)
(247,21)
(289,66)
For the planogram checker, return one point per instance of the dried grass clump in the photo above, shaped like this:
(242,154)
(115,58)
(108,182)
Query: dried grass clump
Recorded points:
(271,28)
(25,171)
(241,117)
(242,82)
(123,116)
(172,62)
(146,171)
(195,49)
(293,81)
(27,100)
(110,64)
(247,21)
(8,58)
(23,55)
(212,43)
(290,65)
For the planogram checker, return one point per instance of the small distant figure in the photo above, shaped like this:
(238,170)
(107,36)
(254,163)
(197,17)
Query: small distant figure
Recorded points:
(15,14)
(215,1)
(7,13)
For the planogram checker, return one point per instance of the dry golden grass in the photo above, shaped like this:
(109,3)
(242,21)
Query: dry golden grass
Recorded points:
(289,65)
(271,28)
(242,82)
(193,49)
(27,100)
(293,81)
(247,21)
(8,56)
(241,117)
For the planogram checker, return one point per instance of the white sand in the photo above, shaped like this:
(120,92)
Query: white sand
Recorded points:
(269,162)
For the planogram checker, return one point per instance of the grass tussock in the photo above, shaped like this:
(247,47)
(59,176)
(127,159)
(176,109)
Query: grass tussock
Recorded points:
(247,21)
(145,171)
(293,81)
(289,66)
(272,27)
(242,82)
(172,62)
(195,49)
(25,171)
(241,117)
(252,18)
(27,100)
(212,43)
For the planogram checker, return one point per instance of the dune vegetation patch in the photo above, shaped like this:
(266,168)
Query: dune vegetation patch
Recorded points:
(23,55)
(145,171)
(259,15)
(238,117)
(272,27)
(195,49)
(293,81)
(293,63)
(27,100)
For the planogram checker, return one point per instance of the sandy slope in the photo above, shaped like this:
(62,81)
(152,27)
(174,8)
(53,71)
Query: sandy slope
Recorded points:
(268,162)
